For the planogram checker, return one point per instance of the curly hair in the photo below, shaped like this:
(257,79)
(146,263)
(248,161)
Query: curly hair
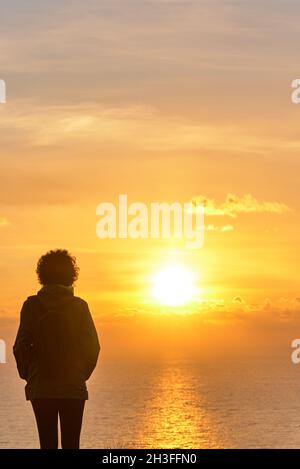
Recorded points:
(57,267)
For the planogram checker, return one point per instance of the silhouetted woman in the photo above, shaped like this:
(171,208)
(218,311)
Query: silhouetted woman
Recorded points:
(56,350)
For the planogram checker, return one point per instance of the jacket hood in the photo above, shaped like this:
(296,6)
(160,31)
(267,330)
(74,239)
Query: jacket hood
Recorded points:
(54,297)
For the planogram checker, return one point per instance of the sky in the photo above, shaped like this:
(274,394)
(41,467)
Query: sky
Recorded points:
(161,100)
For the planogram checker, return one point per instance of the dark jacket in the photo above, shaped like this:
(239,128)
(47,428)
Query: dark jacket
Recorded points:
(57,347)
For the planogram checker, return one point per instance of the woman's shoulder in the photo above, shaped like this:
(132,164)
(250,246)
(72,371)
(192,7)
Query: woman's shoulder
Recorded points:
(80,301)
(32,303)
(30,300)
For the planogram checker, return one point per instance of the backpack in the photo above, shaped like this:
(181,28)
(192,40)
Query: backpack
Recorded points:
(55,344)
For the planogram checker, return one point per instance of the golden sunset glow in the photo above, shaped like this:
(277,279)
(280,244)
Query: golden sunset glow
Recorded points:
(174,102)
(173,286)
(134,105)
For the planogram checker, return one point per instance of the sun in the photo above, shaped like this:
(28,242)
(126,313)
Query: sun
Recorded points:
(173,286)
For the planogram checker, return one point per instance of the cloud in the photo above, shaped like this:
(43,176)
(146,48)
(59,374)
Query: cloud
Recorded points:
(224,228)
(235,205)
(238,299)
(227,228)
(96,122)
(273,313)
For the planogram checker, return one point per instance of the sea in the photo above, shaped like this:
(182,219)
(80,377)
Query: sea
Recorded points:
(172,403)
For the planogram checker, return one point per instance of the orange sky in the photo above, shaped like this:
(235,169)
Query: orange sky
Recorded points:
(163,101)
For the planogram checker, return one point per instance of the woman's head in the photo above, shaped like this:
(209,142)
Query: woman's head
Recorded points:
(57,267)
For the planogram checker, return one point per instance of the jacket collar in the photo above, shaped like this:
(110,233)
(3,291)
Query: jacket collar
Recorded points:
(57,289)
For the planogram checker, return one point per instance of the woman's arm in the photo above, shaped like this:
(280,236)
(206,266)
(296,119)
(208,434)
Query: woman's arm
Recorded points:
(90,346)
(23,346)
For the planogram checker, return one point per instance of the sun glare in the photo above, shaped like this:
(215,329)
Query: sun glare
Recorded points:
(173,286)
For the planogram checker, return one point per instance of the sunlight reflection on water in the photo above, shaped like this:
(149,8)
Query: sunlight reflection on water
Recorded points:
(176,417)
